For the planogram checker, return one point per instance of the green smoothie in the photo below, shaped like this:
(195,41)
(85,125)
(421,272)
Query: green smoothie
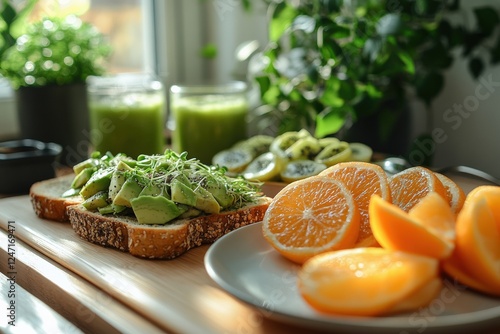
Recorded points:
(205,125)
(133,129)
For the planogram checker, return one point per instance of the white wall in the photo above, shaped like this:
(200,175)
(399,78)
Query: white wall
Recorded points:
(467,112)
(192,24)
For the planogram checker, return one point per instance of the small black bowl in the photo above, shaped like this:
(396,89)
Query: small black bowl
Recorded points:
(24,162)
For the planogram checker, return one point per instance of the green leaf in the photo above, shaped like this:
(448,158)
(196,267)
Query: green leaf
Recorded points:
(476,67)
(436,57)
(8,13)
(331,6)
(281,21)
(420,7)
(372,48)
(209,51)
(495,53)
(429,86)
(487,19)
(271,95)
(471,40)
(246,5)
(347,90)
(337,31)
(264,83)
(454,5)
(446,31)
(304,23)
(330,96)
(329,122)
(389,24)
(407,61)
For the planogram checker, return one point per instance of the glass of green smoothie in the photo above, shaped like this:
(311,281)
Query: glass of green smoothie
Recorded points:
(208,119)
(127,114)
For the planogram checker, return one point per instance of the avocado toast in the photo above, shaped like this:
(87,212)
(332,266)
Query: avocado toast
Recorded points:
(158,206)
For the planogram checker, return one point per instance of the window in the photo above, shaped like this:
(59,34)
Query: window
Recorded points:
(158,36)
(128,25)
(122,22)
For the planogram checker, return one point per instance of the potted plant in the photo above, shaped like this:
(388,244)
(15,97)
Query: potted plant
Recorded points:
(351,68)
(47,67)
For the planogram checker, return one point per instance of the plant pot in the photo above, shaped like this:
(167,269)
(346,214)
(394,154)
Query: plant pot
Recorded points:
(56,114)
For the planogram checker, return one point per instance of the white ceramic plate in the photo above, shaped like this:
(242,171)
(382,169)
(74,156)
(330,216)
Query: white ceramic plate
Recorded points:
(246,266)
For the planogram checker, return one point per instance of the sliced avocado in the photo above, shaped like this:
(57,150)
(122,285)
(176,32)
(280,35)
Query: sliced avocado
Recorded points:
(189,212)
(205,201)
(130,189)
(118,179)
(100,180)
(111,208)
(126,160)
(71,192)
(153,189)
(98,200)
(82,177)
(182,192)
(219,191)
(79,167)
(155,209)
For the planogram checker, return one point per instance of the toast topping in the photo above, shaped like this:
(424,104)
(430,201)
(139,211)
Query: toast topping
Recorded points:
(157,189)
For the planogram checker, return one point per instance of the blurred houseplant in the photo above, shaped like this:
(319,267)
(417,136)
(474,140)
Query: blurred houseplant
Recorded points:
(351,68)
(47,66)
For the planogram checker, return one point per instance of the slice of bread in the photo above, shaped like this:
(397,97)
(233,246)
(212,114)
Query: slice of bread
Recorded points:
(46,198)
(161,241)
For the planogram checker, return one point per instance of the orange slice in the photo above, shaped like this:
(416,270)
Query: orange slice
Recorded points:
(455,194)
(453,267)
(412,184)
(428,229)
(492,195)
(368,281)
(478,235)
(363,180)
(311,216)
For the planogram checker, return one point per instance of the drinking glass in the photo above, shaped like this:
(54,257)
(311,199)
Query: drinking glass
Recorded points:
(208,119)
(127,114)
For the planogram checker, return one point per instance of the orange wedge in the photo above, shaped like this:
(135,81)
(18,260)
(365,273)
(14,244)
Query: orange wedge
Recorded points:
(456,195)
(454,268)
(368,281)
(428,229)
(311,216)
(413,184)
(363,180)
(477,244)
(492,195)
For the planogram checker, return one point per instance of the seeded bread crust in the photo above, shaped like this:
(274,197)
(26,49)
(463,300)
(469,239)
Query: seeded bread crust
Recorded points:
(161,241)
(46,198)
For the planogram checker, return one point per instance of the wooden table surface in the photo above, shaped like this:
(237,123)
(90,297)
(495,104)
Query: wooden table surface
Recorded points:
(100,289)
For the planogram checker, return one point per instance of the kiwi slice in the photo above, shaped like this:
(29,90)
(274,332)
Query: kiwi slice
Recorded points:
(304,148)
(300,169)
(235,160)
(334,153)
(360,152)
(263,168)
(257,145)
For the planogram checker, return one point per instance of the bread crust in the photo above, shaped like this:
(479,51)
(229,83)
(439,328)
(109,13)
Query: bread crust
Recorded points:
(161,241)
(45,197)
